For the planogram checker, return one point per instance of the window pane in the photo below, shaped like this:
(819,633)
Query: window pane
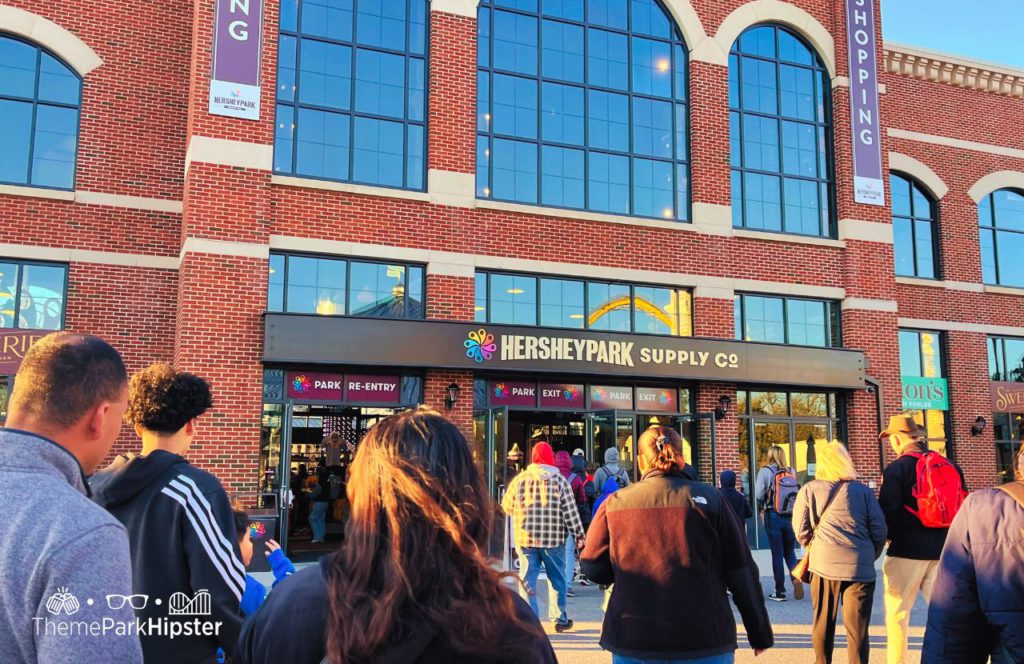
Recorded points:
(762,202)
(561,303)
(922,206)
(610,13)
(284,133)
(42,297)
(608,122)
(758,41)
(797,90)
(56,138)
(903,246)
(653,192)
(655,311)
(652,68)
(792,49)
(381,23)
(515,42)
(608,183)
(377,290)
(316,285)
(483,101)
(1009,209)
(682,192)
(571,9)
(763,319)
(1009,249)
(759,92)
(806,323)
(736,191)
(563,114)
(562,177)
(325,79)
(761,143)
(988,256)
(480,298)
(379,152)
(8,291)
(286,68)
(275,279)
(418,27)
(414,157)
(327,18)
(802,211)
(323,144)
(513,299)
(56,82)
(15,139)
(910,353)
(925,250)
(483,44)
(288,14)
(515,106)
(515,171)
(483,166)
(900,192)
(808,404)
(380,83)
(608,59)
(931,355)
(799,149)
(17,68)
(649,19)
(609,307)
(769,403)
(417,90)
(563,51)
(652,127)
(1014,360)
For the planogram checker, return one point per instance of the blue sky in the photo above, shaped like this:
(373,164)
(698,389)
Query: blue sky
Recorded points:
(980,29)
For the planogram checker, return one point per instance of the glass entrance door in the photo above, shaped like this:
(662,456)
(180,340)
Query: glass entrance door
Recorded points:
(614,428)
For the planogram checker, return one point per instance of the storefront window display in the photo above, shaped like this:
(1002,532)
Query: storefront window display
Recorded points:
(1006,367)
(924,384)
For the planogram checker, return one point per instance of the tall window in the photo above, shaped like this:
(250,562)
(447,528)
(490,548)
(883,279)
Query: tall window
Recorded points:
(351,91)
(1006,359)
(921,357)
(780,130)
(1006,364)
(39,101)
(784,320)
(32,295)
(582,105)
(520,299)
(335,287)
(1001,225)
(913,224)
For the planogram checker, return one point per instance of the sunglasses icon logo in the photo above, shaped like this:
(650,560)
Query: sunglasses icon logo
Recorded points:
(137,602)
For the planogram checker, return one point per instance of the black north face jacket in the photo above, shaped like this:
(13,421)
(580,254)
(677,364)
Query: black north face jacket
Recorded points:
(182,537)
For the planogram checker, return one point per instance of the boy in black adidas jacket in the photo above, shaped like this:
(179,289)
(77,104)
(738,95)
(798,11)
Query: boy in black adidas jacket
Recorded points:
(185,557)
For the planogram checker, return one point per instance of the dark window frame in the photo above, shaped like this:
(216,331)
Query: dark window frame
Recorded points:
(35,101)
(994,228)
(586,300)
(352,114)
(932,219)
(828,178)
(997,353)
(21,263)
(348,260)
(674,99)
(833,318)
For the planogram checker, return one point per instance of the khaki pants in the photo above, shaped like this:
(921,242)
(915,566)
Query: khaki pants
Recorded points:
(904,578)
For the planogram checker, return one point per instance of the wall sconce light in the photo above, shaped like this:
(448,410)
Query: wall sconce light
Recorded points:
(979,426)
(723,407)
(451,396)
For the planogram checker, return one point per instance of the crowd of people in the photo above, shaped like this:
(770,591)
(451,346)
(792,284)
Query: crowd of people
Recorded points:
(152,539)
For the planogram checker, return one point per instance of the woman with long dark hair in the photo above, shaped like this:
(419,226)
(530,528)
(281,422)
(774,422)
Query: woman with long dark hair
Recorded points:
(411,582)
(672,547)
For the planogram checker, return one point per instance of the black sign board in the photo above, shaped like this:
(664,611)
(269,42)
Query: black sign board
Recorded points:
(320,340)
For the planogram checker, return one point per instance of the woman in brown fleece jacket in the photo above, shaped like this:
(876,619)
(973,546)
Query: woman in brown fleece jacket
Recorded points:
(672,547)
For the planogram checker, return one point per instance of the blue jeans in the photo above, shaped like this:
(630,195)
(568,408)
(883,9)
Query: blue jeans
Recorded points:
(570,559)
(724,658)
(783,542)
(316,520)
(553,559)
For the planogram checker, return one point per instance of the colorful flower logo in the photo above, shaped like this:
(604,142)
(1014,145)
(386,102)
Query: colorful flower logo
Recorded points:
(480,345)
(664,397)
(257,530)
(301,384)
(571,393)
(600,393)
(501,390)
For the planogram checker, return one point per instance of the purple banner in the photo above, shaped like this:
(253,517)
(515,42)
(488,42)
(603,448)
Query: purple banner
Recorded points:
(13,346)
(868,183)
(657,399)
(237,42)
(561,395)
(372,389)
(511,393)
(611,397)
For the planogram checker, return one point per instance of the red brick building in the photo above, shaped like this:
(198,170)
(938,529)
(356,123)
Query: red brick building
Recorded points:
(649,207)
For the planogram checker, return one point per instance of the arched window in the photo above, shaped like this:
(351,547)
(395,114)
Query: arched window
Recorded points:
(913,225)
(1001,224)
(39,101)
(351,91)
(781,129)
(582,105)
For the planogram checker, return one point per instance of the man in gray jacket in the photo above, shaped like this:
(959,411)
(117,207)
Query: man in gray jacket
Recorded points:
(64,560)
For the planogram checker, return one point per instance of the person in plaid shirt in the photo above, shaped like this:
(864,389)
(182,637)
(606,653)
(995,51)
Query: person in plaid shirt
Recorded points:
(543,511)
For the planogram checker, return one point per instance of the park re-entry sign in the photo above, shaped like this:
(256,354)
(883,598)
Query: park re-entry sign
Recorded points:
(235,79)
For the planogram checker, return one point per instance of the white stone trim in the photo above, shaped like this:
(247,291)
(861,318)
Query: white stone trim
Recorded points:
(582,215)
(712,219)
(130,202)
(38,253)
(946,285)
(788,237)
(869,304)
(865,231)
(927,65)
(199,245)
(348,188)
(1004,290)
(716,50)
(203,149)
(451,269)
(920,172)
(996,181)
(955,326)
(51,36)
(36,192)
(688,22)
(758,287)
(714,293)
(956,143)
(466,8)
(451,188)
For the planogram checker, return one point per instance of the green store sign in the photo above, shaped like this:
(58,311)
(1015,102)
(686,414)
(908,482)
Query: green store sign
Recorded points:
(925,393)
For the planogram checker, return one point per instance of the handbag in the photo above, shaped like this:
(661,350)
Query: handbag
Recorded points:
(802,571)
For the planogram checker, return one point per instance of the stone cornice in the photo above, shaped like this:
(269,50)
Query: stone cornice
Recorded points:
(961,72)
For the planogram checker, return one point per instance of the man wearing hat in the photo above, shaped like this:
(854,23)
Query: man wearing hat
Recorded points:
(914,549)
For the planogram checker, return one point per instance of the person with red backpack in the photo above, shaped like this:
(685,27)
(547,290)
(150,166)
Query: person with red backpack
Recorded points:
(921,493)
(776,489)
